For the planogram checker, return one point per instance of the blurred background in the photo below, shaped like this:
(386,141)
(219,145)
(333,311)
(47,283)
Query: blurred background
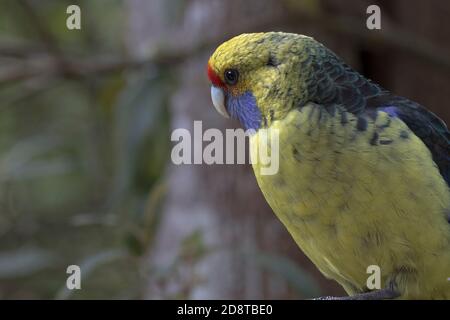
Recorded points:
(85,123)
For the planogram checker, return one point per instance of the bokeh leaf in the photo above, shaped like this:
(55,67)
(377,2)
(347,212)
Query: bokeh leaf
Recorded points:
(89,265)
(24,262)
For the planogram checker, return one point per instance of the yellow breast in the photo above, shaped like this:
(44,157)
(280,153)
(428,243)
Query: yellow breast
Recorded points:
(355,192)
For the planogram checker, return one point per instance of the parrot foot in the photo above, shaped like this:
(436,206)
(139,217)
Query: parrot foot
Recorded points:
(383,294)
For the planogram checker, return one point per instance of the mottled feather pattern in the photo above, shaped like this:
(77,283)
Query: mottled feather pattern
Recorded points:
(360,181)
(428,127)
(363,175)
(335,83)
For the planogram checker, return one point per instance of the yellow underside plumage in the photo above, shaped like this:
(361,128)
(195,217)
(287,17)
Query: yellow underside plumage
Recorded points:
(350,204)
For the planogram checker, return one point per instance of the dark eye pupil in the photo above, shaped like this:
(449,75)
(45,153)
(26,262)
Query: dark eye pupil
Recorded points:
(231,76)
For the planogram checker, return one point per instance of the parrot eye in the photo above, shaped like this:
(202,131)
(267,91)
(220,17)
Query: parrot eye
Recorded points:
(231,76)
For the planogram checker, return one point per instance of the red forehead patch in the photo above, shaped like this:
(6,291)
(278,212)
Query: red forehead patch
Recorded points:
(214,78)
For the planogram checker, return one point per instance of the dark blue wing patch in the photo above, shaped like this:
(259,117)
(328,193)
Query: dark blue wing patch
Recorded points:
(425,125)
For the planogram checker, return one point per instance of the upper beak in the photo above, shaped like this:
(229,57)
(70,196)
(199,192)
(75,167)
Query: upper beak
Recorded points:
(218,99)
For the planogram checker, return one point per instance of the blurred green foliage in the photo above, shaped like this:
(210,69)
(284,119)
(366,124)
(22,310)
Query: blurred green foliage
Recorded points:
(83,156)
(82,159)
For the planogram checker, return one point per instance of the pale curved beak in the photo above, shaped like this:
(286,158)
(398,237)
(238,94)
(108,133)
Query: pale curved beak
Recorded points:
(218,99)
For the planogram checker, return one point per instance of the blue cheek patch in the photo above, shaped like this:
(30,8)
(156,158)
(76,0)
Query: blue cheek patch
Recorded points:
(245,109)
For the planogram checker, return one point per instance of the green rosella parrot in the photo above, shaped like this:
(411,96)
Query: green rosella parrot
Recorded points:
(363,175)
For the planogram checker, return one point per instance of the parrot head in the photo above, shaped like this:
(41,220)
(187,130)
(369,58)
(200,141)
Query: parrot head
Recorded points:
(257,78)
